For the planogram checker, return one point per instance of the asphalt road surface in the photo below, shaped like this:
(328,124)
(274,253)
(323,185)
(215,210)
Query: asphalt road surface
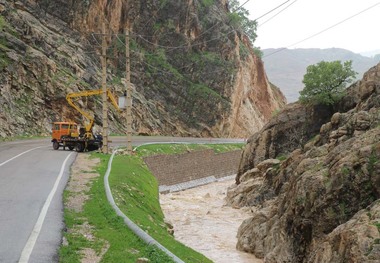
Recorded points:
(32,179)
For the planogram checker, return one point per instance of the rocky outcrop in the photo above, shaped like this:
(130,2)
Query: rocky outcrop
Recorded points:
(285,132)
(319,200)
(192,72)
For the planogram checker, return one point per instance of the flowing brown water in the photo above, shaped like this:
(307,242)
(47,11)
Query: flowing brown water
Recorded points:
(203,222)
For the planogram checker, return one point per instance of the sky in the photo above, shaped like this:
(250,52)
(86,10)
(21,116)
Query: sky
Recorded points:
(304,18)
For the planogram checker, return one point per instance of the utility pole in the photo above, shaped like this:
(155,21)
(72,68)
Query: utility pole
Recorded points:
(104,94)
(129,92)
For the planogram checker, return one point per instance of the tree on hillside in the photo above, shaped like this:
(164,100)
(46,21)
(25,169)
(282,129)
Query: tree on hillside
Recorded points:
(239,19)
(325,82)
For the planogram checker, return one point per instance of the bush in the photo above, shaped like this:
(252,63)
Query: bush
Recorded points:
(325,82)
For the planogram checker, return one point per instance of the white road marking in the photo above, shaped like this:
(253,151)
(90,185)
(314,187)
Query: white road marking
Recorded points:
(18,155)
(27,251)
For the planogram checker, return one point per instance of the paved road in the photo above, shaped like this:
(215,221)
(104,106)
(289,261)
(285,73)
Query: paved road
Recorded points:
(32,179)
(30,221)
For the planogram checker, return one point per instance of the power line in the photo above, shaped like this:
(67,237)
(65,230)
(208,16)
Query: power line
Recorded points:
(282,10)
(324,30)
(267,13)
(243,4)
(225,35)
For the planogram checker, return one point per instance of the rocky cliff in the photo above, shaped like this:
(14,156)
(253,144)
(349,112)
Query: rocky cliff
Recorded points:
(193,73)
(312,179)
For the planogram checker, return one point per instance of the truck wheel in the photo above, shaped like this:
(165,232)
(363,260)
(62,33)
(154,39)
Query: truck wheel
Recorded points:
(55,145)
(79,147)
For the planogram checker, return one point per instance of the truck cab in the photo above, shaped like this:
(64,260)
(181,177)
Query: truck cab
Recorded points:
(65,134)
(62,130)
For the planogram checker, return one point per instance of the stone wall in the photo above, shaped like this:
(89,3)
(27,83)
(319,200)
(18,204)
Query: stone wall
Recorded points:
(182,168)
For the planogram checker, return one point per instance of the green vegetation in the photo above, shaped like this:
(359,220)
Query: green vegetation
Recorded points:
(159,63)
(163,3)
(2,23)
(204,92)
(5,26)
(282,157)
(258,52)
(135,191)
(4,60)
(377,224)
(207,3)
(345,171)
(300,200)
(239,19)
(243,51)
(325,82)
(206,59)
(330,213)
(276,112)
(372,161)
(148,150)
(343,209)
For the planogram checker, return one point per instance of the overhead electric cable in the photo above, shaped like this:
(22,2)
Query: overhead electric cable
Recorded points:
(267,13)
(184,45)
(279,12)
(324,30)
(221,21)
(171,47)
(243,4)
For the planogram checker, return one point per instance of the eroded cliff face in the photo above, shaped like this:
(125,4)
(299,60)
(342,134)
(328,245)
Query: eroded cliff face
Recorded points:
(315,191)
(251,108)
(192,72)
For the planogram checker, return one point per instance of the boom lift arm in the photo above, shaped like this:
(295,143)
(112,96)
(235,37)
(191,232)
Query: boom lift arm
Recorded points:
(87,93)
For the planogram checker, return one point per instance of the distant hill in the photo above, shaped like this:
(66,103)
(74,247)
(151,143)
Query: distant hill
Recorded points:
(371,53)
(286,68)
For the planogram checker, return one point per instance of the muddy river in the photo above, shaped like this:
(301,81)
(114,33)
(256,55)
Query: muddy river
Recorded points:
(203,222)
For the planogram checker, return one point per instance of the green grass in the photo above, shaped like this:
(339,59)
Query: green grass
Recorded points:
(135,191)
(136,194)
(124,246)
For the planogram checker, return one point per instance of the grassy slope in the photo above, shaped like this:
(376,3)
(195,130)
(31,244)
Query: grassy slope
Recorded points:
(135,191)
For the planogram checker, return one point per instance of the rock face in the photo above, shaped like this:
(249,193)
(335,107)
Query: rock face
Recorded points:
(319,201)
(192,72)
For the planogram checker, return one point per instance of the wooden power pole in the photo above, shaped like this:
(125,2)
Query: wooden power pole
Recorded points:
(129,92)
(104,94)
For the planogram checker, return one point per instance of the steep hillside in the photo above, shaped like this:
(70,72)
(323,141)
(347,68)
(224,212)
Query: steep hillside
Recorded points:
(319,200)
(287,68)
(192,72)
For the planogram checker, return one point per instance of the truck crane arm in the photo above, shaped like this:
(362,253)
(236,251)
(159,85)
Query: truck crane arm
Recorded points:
(87,93)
